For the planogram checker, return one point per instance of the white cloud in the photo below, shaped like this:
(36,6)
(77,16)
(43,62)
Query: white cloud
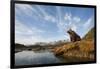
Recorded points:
(58,15)
(76,19)
(21,28)
(41,10)
(68,22)
(34,39)
(25,34)
(64,23)
(87,25)
(45,15)
(67,16)
(29,40)
(26,9)
(60,21)
(50,18)
(74,27)
(88,22)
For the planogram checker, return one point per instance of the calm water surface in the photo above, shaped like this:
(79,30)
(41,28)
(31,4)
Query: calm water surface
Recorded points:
(34,58)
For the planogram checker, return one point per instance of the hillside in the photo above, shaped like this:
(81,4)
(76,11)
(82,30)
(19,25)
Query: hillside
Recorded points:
(83,50)
(19,46)
(89,35)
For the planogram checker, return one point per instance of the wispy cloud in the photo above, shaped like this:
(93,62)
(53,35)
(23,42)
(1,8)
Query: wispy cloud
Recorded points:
(26,34)
(60,22)
(89,22)
(37,23)
(21,28)
(71,21)
(50,18)
(76,19)
(67,16)
(68,21)
(45,15)
(27,10)
(74,27)
(41,10)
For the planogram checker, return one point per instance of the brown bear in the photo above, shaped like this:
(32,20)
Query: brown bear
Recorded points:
(73,36)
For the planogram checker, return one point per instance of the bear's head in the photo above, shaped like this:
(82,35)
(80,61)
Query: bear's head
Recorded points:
(70,31)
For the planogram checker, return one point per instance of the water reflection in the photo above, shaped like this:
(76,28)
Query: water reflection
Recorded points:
(33,58)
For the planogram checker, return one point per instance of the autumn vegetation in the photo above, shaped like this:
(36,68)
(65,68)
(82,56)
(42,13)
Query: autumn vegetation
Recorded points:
(83,49)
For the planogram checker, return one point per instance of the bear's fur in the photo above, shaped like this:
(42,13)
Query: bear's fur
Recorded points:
(73,36)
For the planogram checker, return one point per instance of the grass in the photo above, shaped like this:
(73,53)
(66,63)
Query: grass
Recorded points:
(83,49)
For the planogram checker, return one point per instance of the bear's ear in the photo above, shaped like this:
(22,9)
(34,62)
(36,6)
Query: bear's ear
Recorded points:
(70,29)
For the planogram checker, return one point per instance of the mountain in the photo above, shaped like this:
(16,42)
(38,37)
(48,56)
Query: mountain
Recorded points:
(19,46)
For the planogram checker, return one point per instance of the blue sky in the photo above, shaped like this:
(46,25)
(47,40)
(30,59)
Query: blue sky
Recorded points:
(39,23)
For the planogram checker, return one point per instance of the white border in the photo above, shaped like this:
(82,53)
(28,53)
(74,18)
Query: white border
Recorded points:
(5,34)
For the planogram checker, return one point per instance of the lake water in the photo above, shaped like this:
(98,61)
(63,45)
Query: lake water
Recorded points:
(35,58)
